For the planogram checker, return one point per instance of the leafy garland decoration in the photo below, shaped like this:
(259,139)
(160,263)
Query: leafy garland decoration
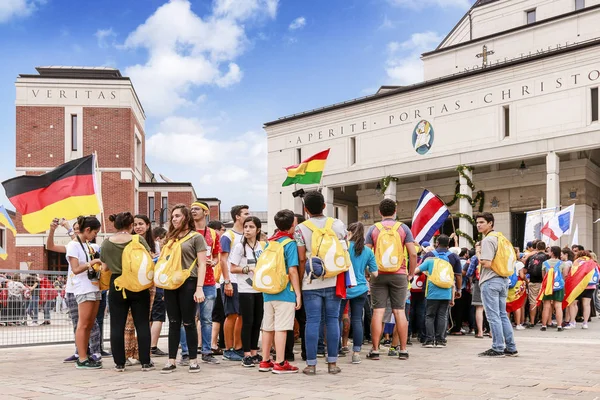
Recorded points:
(477,202)
(385,182)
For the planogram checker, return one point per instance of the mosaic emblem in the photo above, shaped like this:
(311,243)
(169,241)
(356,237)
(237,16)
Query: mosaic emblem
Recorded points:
(422,137)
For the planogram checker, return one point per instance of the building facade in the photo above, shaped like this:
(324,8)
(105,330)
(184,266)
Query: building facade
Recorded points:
(63,113)
(511,92)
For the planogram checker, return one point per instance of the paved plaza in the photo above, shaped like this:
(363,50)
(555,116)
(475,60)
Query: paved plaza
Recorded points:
(551,365)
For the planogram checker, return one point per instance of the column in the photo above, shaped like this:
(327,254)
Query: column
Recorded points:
(328,195)
(464,207)
(552,180)
(390,192)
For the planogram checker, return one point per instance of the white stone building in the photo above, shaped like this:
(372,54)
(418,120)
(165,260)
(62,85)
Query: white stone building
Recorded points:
(511,91)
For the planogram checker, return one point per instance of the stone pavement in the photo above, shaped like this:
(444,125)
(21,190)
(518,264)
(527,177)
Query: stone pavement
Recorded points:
(551,365)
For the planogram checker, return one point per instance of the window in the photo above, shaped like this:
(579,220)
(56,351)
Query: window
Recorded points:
(151,208)
(74,132)
(3,238)
(298,156)
(594,104)
(138,154)
(164,210)
(352,150)
(579,4)
(530,16)
(506,120)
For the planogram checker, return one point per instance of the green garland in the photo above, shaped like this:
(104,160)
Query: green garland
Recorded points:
(385,182)
(479,198)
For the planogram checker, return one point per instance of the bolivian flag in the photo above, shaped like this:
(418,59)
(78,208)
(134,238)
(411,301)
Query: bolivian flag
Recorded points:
(583,271)
(308,171)
(67,191)
(6,221)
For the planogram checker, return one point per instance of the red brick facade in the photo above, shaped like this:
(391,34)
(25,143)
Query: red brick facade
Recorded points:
(40,133)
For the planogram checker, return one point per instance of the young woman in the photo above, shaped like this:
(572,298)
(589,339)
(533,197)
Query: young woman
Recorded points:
(587,295)
(181,302)
(554,266)
(243,261)
(362,258)
(83,256)
(137,304)
(567,257)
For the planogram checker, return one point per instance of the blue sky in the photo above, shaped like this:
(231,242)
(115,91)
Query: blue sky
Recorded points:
(210,73)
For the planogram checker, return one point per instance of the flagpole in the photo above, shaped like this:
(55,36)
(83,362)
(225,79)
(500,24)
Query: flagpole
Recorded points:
(99,187)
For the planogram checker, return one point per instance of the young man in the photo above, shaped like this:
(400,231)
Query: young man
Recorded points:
(319,292)
(300,317)
(437,307)
(534,268)
(391,285)
(229,290)
(280,308)
(494,289)
(200,211)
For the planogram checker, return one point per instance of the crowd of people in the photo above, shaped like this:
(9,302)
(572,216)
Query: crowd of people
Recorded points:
(399,292)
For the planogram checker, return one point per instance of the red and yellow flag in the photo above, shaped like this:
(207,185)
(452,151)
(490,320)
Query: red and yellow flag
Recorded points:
(547,288)
(516,297)
(582,273)
(67,191)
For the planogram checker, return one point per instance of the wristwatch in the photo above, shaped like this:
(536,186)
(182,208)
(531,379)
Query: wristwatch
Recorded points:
(227,282)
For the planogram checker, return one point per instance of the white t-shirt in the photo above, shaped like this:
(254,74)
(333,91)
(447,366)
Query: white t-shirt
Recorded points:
(79,284)
(241,259)
(227,246)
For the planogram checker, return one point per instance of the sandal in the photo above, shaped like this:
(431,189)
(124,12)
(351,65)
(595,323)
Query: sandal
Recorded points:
(333,369)
(373,354)
(310,370)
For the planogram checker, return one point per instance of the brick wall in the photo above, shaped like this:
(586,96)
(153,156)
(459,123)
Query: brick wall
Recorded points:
(109,132)
(36,255)
(214,213)
(40,132)
(117,195)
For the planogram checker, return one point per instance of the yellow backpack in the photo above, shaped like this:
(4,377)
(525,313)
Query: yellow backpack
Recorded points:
(503,263)
(270,275)
(326,246)
(442,273)
(389,251)
(168,272)
(137,268)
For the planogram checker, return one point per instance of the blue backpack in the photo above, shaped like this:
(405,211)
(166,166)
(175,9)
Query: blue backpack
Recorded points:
(559,280)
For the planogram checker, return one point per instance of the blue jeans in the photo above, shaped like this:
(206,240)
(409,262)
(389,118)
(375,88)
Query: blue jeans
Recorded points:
(33,308)
(205,310)
(493,294)
(357,306)
(313,303)
(185,351)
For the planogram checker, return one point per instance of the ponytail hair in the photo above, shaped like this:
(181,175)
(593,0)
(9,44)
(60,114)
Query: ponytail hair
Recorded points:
(88,222)
(358,237)
(121,220)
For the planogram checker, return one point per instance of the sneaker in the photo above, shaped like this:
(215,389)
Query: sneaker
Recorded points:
(119,368)
(87,364)
(530,325)
(543,328)
(386,342)
(168,368)
(194,367)
(571,325)
(409,342)
(584,326)
(105,353)
(232,355)
(403,355)
(148,367)
(356,359)
(441,343)
(509,353)
(156,352)
(97,358)
(428,344)
(393,352)
(373,354)
(265,366)
(33,324)
(71,359)
(131,362)
(491,353)
(257,359)
(240,352)
(210,359)
(520,327)
(248,362)
(560,329)
(342,353)
(184,361)
(346,349)
(310,370)
(286,368)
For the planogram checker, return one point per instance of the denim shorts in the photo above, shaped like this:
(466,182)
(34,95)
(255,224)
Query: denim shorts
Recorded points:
(231,305)
(91,296)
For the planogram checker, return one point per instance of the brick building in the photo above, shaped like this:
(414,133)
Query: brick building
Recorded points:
(64,113)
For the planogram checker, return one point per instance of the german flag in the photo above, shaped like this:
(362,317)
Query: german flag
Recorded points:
(583,271)
(308,171)
(67,191)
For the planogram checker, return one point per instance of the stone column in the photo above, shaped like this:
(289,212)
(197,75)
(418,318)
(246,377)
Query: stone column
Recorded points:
(464,207)
(552,180)
(328,195)
(390,192)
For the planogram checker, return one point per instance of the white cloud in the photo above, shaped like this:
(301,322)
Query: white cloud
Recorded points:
(104,36)
(298,23)
(387,23)
(196,153)
(404,65)
(420,4)
(186,51)
(17,8)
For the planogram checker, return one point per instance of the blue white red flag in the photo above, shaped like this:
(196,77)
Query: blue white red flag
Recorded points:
(560,224)
(429,216)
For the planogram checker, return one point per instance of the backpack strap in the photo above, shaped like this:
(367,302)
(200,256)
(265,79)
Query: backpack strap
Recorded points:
(329,223)
(310,225)
(285,242)
(397,226)
(436,254)
(379,226)
(213,235)
(135,238)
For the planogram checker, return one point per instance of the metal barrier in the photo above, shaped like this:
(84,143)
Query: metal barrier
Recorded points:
(40,316)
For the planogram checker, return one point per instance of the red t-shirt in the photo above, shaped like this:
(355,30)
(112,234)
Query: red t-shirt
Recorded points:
(214,249)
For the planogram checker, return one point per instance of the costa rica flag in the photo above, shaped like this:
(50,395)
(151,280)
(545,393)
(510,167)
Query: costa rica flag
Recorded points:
(429,217)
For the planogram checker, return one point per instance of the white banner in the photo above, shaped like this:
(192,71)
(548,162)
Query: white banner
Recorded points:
(534,221)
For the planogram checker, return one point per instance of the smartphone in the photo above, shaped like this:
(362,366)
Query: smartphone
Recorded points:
(249,281)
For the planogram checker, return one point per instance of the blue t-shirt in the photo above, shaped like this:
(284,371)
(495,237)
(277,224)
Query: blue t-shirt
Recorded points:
(291,261)
(360,263)
(434,292)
